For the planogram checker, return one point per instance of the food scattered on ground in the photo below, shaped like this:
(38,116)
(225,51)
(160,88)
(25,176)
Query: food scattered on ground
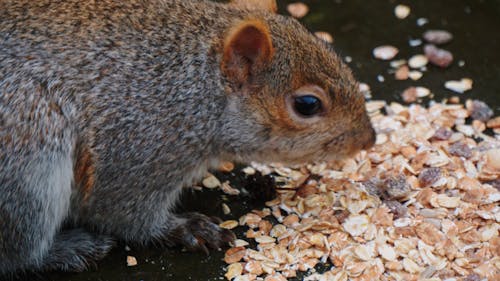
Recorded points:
(422,21)
(437,37)
(479,110)
(415,75)
(386,52)
(402,11)
(412,94)
(418,61)
(297,10)
(230,224)
(225,209)
(460,86)
(131,261)
(325,36)
(210,181)
(402,73)
(438,57)
(226,166)
(422,204)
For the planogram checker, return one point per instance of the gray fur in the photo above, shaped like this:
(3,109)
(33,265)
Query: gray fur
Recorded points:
(136,85)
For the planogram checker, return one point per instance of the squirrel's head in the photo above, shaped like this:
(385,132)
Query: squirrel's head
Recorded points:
(290,98)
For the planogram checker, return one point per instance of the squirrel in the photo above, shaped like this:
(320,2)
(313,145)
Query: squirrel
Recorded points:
(109,108)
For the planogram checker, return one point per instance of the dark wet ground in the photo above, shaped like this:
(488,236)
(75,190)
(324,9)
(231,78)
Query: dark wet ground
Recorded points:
(358,26)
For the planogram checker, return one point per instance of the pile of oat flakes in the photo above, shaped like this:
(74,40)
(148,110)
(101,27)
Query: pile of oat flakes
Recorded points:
(422,204)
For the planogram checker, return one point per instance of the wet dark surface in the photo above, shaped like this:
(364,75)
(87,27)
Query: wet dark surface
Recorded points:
(357,26)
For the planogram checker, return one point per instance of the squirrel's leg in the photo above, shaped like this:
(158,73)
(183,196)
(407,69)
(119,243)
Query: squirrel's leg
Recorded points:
(151,220)
(75,250)
(36,186)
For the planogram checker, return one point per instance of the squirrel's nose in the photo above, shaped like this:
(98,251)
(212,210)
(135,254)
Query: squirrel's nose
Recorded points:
(371,139)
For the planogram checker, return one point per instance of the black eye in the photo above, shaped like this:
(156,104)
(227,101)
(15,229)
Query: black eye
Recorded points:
(307,105)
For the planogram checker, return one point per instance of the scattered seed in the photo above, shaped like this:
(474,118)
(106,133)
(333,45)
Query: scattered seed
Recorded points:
(429,176)
(460,149)
(211,182)
(493,123)
(437,37)
(249,171)
(234,254)
(402,11)
(414,42)
(325,36)
(461,86)
(131,261)
(418,61)
(385,52)
(415,75)
(226,166)
(234,269)
(229,224)
(438,57)
(225,209)
(422,21)
(396,188)
(399,210)
(479,110)
(297,10)
(356,225)
(409,95)
(402,73)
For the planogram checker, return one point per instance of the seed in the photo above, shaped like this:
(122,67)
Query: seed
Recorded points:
(234,254)
(442,133)
(325,36)
(264,239)
(402,11)
(131,261)
(460,87)
(479,110)
(429,176)
(418,61)
(356,225)
(233,270)
(229,224)
(385,52)
(387,252)
(409,95)
(438,57)
(437,37)
(297,10)
(226,166)
(211,182)
(399,210)
(415,75)
(402,73)
(396,187)
(410,266)
(460,149)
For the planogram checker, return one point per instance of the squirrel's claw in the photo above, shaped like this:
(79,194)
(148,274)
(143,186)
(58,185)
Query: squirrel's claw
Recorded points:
(198,231)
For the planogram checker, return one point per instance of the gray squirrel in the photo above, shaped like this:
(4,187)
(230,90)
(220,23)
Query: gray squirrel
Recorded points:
(109,108)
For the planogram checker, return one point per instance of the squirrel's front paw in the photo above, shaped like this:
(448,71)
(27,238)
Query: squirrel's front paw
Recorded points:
(196,231)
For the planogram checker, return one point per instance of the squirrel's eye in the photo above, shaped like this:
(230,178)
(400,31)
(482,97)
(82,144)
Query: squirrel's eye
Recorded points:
(307,105)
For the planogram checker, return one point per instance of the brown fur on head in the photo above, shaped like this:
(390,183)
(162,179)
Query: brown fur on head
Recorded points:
(278,71)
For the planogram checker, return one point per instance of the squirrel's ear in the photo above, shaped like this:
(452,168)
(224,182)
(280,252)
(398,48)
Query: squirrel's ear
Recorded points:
(266,5)
(248,49)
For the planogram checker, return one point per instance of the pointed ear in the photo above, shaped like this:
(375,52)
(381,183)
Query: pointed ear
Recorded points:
(265,5)
(248,49)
